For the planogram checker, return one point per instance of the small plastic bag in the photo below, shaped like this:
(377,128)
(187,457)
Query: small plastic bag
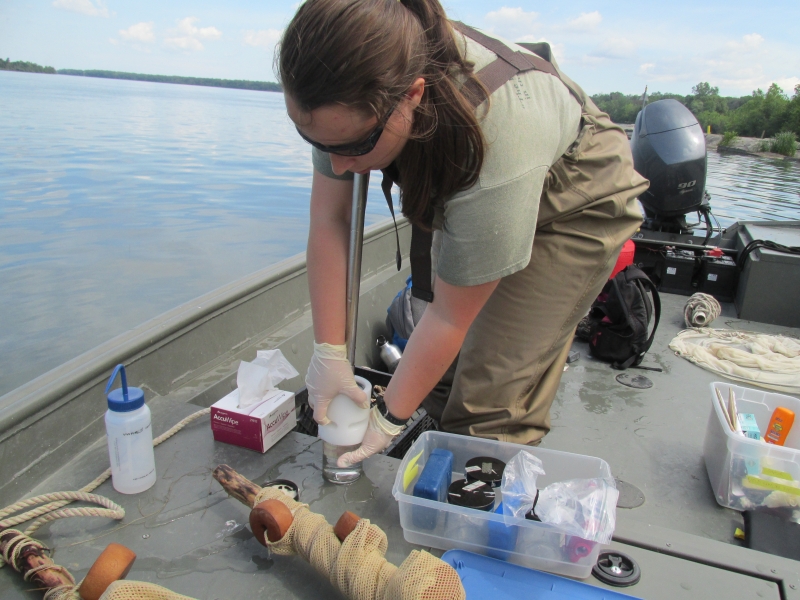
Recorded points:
(256,379)
(585,508)
(519,485)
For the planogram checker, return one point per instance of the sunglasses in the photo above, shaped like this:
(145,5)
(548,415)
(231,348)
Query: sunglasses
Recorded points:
(359,148)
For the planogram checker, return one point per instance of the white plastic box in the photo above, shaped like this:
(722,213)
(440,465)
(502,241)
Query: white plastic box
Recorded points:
(528,543)
(745,473)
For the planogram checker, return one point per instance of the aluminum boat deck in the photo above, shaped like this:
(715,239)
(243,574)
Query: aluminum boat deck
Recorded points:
(190,537)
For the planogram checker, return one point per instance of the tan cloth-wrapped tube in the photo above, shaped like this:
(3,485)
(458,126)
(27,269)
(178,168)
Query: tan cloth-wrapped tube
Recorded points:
(140,590)
(357,566)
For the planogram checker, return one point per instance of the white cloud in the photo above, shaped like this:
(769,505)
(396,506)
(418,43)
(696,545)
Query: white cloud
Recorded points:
(187,36)
(615,48)
(265,38)
(141,32)
(753,40)
(514,24)
(186,26)
(585,22)
(788,84)
(184,43)
(645,68)
(84,7)
(736,66)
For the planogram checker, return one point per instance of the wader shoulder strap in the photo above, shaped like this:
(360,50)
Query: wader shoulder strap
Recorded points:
(509,62)
(493,76)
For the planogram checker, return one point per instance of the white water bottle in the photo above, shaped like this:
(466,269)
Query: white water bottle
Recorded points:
(130,438)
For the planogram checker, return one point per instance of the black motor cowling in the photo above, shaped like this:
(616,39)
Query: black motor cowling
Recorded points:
(669,149)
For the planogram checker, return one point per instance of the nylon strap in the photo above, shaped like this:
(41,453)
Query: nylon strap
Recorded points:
(421,241)
(386,187)
(420,257)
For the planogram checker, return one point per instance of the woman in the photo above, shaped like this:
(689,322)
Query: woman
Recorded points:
(529,189)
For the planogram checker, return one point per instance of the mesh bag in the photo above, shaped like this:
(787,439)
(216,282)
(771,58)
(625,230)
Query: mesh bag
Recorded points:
(139,590)
(361,572)
(423,576)
(309,536)
(357,567)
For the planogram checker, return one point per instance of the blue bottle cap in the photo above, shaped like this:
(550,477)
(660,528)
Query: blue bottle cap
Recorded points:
(123,399)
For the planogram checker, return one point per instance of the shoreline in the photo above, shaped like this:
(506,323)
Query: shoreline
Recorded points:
(747,146)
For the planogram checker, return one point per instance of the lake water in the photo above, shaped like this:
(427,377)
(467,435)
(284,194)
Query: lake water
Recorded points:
(120,200)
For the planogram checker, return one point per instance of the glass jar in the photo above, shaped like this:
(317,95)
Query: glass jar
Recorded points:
(333,473)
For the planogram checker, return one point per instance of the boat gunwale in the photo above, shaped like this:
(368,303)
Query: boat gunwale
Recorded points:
(50,390)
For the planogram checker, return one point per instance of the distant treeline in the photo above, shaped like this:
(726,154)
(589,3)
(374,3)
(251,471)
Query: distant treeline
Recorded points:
(27,67)
(760,113)
(239,84)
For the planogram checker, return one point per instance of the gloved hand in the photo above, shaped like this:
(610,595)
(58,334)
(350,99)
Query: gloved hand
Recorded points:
(329,374)
(380,434)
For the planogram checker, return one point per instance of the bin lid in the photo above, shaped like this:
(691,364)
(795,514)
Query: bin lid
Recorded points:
(492,579)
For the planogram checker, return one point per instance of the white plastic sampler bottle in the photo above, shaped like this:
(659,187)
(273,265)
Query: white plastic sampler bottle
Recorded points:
(343,434)
(130,438)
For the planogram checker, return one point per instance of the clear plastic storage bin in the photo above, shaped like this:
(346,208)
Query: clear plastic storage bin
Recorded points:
(745,473)
(528,543)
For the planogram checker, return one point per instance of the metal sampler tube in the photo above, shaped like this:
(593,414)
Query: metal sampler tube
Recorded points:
(360,185)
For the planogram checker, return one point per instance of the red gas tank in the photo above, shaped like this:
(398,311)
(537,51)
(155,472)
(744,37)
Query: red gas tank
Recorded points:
(625,257)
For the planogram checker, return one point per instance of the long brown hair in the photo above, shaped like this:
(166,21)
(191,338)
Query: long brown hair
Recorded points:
(365,54)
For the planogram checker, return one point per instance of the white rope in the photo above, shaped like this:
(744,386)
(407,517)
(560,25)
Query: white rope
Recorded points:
(700,310)
(53,509)
(11,551)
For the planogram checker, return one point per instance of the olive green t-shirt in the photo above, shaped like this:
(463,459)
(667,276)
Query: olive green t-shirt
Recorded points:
(487,230)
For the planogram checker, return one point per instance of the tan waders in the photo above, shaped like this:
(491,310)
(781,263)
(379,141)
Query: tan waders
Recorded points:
(512,359)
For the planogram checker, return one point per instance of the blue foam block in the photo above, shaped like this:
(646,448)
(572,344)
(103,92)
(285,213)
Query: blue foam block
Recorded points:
(432,484)
(435,478)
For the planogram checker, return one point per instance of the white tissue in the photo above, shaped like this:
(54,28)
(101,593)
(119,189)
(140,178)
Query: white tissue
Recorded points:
(256,379)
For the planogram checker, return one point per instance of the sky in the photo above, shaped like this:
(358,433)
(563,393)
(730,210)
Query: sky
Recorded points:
(604,46)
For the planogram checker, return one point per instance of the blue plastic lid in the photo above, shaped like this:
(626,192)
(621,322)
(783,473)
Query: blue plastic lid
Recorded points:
(487,578)
(124,399)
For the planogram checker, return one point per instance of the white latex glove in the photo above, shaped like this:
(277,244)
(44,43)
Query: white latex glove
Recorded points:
(329,374)
(380,434)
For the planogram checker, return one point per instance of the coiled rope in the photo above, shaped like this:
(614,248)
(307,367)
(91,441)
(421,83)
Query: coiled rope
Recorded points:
(53,509)
(21,541)
(700,310)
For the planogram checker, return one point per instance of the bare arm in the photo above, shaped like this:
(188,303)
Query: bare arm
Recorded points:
(328,242)
(434,344)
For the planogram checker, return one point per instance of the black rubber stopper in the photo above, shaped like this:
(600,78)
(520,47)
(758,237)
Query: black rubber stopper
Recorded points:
(286,486)
(486,469)
(616,568)
(471,494)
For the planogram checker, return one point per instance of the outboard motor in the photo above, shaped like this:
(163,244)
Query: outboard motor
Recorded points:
(669,149)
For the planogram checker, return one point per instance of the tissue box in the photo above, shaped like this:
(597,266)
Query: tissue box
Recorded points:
(257,427)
